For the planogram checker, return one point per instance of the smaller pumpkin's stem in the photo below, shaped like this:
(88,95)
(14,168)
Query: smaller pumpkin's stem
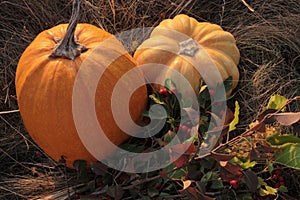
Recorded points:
(188,47)
(68,48)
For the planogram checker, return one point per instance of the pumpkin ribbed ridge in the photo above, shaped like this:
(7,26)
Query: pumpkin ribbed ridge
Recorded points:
(44,89)
(215,44)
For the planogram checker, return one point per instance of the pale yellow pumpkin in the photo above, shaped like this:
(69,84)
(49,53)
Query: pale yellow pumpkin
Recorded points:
(183,42)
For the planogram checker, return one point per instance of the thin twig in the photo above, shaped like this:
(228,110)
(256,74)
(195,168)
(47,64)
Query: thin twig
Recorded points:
(9,111)
(249,131)
(247,5)
(141,182)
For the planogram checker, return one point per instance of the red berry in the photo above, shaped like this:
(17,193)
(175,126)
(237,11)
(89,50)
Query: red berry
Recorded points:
(77,196)
(188,124)
(174,90)
(277,185)
(280,178)
(183,128)
(275,177)
(276,171)
(281,183)
(272,196)
(219,104)
(234,184)
(212,92)
(163,91)
(176,129)
(163,174)
(188,131)
(222,112)
(146,120)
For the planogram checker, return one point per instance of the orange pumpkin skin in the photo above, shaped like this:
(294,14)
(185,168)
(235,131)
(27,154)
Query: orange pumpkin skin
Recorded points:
(44,89)
(164,43)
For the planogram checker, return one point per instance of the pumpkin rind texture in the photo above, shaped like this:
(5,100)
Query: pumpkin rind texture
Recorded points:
(44,89)
(212,45)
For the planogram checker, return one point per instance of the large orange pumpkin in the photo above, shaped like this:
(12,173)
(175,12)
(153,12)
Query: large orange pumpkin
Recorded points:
(44,83)
(175,43)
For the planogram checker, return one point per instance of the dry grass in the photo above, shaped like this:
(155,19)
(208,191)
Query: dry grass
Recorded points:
(268,39)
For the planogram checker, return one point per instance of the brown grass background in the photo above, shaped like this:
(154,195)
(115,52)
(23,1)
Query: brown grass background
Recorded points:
(267,36)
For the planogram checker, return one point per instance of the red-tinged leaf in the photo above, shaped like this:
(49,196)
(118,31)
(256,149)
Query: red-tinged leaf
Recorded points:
(195,175)
(186,148)
(262,115)
(258,126)
(286,119)
(180,153)
(119,192)
(254,154)
(182,160)
(163,174)
(221,157)
(192,193)
(224,122)
(251,180)
(266,148)
(195,194)
(229,116)
(231,172)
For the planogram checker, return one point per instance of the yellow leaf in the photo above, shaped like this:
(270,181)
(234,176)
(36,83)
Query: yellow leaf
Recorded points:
(235,120)
(186,184)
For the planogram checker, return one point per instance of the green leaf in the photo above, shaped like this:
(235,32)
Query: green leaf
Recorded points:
(169,136)
(203,96)
(251,180)
(145,198)
(177,174)
(289,156)
(270,166)
(247,196)
(217,184)
(164,194)
(156,112)
(276,102)
(267,191)
(261,182)
(206,177)
(281,141)
(235,121)
(244,164)
(282,189)
(169,84)
(152,192)
(188,103)
(228,84)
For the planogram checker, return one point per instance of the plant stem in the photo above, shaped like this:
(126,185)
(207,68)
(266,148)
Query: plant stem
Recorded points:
(68,48)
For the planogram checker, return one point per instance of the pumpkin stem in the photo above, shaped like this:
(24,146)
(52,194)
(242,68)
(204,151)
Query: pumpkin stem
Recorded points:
(68,48)
(188,47)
